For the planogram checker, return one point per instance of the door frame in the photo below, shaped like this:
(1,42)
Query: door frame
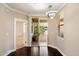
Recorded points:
(15,20)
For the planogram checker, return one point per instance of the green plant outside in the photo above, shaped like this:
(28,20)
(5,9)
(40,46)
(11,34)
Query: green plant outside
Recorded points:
(42,29)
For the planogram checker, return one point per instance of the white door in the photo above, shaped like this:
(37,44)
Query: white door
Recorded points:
(20,39)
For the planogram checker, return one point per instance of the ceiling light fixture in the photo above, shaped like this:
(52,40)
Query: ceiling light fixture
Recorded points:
(50,13)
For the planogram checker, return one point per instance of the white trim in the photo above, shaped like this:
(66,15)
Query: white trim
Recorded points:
(21,20)
(37,15)
(21,12)
(38,29)
(57,49)
(17,20)
(15,33)
(29,32)
(12,9)
(8,52)
(48,45)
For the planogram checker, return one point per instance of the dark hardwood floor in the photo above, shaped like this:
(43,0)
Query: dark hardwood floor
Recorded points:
(36,51)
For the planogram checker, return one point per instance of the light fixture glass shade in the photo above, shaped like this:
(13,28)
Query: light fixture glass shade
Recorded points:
(51,17)
(51,14)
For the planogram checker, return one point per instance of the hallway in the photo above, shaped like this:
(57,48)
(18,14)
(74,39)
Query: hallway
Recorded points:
(23,32)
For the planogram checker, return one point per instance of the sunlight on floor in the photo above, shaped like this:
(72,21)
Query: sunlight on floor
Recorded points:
(43,51)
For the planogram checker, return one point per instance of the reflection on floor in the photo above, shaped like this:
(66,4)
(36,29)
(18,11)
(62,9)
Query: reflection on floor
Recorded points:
(43,51)
(36,51)
(35,43)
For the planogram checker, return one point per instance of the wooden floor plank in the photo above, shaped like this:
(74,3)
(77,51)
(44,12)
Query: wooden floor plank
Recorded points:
(36,51)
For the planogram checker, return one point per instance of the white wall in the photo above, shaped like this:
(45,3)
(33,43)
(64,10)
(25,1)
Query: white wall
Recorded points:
(71,29)
(52,30)
(60,42)
(7,29)
(69,45)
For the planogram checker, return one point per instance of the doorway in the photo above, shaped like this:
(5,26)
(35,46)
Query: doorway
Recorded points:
(43,30)
(20,41)
(35,32)
(20,33)
(39,31)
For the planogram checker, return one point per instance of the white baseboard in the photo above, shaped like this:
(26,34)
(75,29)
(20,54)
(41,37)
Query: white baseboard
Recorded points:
(57,49)
(8,52)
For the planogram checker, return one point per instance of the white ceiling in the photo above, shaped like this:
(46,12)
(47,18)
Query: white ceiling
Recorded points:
(34,8)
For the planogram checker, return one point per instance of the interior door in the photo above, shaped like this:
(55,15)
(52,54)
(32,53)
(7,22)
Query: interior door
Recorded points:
(20,40)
